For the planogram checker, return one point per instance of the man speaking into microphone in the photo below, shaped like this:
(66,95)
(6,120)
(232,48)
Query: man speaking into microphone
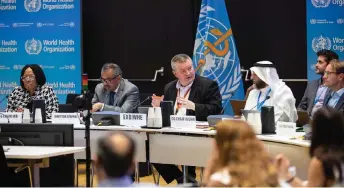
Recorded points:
(192,95)
(115,93)
(269,90)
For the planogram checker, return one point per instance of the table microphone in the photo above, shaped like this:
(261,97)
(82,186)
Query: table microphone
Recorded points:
(3,99)
(224,107)
(266,98)
(149,97)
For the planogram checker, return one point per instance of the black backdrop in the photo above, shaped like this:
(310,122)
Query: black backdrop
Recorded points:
(142,36)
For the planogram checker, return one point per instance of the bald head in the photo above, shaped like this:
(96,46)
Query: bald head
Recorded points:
(120,143)
(116,154)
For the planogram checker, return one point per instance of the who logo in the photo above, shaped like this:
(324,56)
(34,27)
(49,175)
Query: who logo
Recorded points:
(32,5)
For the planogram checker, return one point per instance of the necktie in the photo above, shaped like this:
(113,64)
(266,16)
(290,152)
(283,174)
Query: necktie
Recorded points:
(112,98)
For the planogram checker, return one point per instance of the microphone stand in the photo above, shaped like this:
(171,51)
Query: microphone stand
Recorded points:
(87,120)
(83,102)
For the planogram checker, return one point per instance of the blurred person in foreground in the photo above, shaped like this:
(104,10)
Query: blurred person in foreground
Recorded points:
(115,161)
(326,167)
(239,158)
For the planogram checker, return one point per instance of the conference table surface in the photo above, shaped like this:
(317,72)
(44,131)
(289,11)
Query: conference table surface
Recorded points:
(36,155)
(198,131)
(38,152)
(180,146)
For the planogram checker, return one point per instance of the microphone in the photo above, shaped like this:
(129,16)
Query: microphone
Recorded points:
(266,98)
(224,106)
(3,99)
(200,64)
(149,97)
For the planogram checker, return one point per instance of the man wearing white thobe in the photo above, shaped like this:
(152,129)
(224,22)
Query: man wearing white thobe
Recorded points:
(269,90)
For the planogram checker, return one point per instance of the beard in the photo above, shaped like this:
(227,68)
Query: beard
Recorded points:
(260,84)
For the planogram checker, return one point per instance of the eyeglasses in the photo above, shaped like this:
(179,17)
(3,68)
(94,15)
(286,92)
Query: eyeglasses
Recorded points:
(28,78)
(326,73)
(109,80)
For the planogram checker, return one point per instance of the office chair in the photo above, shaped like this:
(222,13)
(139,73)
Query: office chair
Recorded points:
(8,176)
(70,98)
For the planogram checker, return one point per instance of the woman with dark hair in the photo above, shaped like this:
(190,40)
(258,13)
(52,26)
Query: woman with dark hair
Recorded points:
(32,86)
(326,152)
(239,159)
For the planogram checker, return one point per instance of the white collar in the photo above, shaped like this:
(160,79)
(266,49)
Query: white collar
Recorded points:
(179,86)
(116,90)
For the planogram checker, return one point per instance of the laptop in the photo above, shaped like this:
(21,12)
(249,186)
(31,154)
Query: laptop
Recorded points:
(237,106)
(303,118)
(67,108)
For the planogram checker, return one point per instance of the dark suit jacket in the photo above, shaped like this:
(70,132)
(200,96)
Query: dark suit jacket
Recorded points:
(204,93)
(127,97)
(307,101)
(340,104)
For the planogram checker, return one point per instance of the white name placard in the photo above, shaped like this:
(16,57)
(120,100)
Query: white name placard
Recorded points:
(12,117)
(285,128)
(183,121)
(135,120)
(65,118)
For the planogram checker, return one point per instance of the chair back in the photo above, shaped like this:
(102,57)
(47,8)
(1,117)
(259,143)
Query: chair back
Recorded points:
(6,174)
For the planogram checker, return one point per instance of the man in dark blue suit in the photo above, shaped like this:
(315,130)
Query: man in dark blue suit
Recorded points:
(334,79)
(315,91)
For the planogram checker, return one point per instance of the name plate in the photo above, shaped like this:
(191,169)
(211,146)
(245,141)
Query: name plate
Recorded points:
(65,118)
(12,117)
(183,121)
(285,128)
(135,120)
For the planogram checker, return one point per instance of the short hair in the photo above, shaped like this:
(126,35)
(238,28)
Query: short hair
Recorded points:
(37,71)
(116,69)
(179,58)
(115,163)
(328,54)
(337,66)
(327,130)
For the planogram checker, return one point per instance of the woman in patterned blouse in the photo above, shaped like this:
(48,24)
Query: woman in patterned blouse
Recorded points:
(32,86)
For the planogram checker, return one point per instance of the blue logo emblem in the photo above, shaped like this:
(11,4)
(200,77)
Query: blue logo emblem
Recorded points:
(33,47)
(32,5)
(321,3)
(321,43)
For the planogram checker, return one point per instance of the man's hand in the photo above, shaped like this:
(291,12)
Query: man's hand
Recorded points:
(156,100)
(97,106)
(20,110)
(186,103)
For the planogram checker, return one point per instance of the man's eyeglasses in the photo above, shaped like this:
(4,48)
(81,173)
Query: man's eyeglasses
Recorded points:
(109,80)
(326,73)
(28,78)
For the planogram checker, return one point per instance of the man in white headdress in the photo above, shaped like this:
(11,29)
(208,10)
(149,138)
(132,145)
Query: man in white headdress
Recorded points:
(269,90)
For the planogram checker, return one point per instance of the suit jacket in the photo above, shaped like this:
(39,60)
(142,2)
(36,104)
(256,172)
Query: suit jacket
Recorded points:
(340,104)
(126,98)
(307,101)
(204,93)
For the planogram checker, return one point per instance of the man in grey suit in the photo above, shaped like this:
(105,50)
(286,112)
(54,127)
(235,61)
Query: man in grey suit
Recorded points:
(315,92)
(115,93)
